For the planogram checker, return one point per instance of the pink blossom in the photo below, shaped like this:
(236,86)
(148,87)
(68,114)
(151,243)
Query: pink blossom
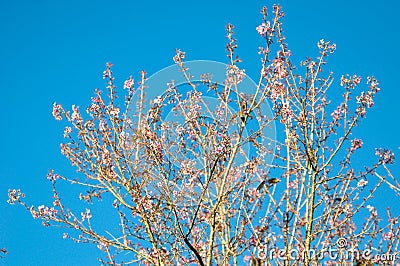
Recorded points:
(52,176)
(263,28)
(280,68)
(373,84)
(43,210)
(246,258)
(357,80)
(362,183)
(253,240)
(102,246)
(311,65)
(277,90)
(385,156)
(219,149)
(234,75)
(128,84)
(286,113)
(178,58)
(34,213)
(114,111)
(356,144)
(254,194)
(56,202)
(75,114)
(321,44)
(335,115)
(93,108)
(191,134)
(187,167)
(115,203)
(127,242)
(157,100)
(67,131)
(57,111)
(250,166)
(96,100)
(63,148)
(372,210)
(366,99)
(388,236)
(179,130)
(103,125)
(14,195)
(361,111)
(261,253)
(86,215)
(350,81)
(146,202)
(293,184)
(107,73)
(193,112)
(263,50)
(106,157)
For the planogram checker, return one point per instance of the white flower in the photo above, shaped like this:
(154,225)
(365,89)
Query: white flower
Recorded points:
(362,183)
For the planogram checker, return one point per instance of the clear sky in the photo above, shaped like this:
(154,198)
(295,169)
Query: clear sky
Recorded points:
(56,51)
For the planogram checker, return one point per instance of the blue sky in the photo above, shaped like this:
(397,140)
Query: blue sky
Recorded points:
(56,51)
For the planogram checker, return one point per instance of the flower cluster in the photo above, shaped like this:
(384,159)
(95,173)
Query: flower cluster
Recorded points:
(102,246)
(362,183)
(107,74)
(373,84)
(114,111)
(338,113)
(14,195)
(93,109)
(75,114)
(86,215)
(385,156)
(52,176)
(234,75)
(187,167)
(366,99)
(286,113)
(103,125)
(388,236)
(350,81)
(67,132)
(129,83)
(280,67)
(44,212)
(277,90)
(356,144)
(178,57)
(264,28)
(57,108)
(193,112)
(326,46)
(372,210)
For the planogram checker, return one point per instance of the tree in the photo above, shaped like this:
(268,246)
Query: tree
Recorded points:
(212,188)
